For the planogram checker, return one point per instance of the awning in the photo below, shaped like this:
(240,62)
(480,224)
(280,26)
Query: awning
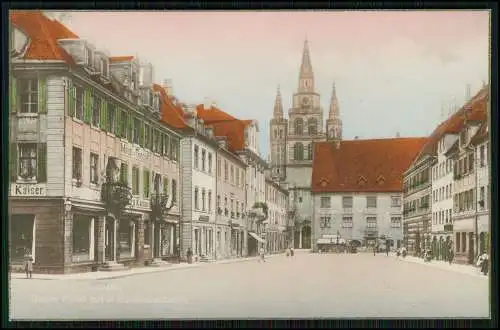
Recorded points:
(330,241)
(254,235)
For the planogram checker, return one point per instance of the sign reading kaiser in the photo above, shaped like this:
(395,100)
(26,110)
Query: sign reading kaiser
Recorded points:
(20,189)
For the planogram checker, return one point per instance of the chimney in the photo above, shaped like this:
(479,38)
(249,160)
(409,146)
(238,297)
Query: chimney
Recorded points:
(167,86)
(398,135)
(207,103)
(214,104)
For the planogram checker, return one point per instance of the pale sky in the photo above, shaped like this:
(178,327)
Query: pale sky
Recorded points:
(393,70)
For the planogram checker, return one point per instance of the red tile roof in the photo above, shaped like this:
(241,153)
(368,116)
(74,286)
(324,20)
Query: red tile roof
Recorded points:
(234,131)
(171,114)
(212,115)
(363,165)
(475,109)
(43,33)
(115,59)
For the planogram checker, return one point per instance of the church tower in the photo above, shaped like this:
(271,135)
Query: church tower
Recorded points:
(277,137)
(334,123)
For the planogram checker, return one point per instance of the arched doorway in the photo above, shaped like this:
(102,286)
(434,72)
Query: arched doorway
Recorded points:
(306,237)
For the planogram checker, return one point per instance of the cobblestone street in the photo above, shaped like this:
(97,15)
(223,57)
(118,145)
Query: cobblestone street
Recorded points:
(309,285)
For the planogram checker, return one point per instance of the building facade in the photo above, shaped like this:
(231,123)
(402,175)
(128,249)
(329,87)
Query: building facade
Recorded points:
(87,155)
(277,203)
(357,196)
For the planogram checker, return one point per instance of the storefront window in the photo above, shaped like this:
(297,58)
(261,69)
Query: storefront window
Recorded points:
(21,236)
(125,238)
(81,237)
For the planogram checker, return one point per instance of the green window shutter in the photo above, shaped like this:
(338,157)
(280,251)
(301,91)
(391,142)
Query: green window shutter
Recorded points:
(118,125)
(71,100)
(13,162)
(42,96)
(42,162)
(102,116)
(87,114)
(13,94)
(165,185)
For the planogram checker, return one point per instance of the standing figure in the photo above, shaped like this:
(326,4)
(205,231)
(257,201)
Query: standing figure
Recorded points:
(387,249)
(482,262)
(291,252)
(451,254)
(261,252)
(28,264)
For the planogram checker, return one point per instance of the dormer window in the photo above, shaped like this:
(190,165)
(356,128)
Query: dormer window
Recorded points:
(104,67)
(88,57)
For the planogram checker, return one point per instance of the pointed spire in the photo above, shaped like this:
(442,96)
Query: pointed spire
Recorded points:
(334,105)
(278,105)
(305,66)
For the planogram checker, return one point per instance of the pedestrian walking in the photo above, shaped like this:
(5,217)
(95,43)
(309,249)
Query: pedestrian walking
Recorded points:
(451,254)
(28,264)
(387,249)
(374,249)
(262,256)
(482,263)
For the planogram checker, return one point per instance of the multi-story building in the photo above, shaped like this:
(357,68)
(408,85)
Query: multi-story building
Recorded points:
(357,190)
(230,201)
(292,143)
(442,197)
(277,203)
(88,153)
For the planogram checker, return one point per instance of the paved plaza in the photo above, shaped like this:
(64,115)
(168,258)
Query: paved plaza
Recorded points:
(308,285)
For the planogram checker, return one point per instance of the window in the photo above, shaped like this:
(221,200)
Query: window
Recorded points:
(481,156)
(232,174)
(237,177)
(96,111)
(219,168)
(29,95)
(147,136)
(174,191)
(242,179)
(79,102)
(135,180)
(210,163)
(174,149)
(195,157)
(94,168)
(104,67)
(371,222)
(226,170)
(218,202)
(196,201)
(347,202)
(481,197)
(313,126)
(298,151)
(325,202)
(27,161)
(396,201)
(146,183)
(471,161)
(347,221)
(325,222)
(82,226)
(135,131)
(124,173)
(371,201)
(209,200)
(203,195)
(203,158)
(77,163)
(166,143)
(395,222)
(299,126)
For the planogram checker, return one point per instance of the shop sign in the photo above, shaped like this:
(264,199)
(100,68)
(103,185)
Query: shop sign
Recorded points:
(28,189)
(135,152)
(139,203)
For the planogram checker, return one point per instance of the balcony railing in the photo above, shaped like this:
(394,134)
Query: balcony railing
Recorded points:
(115,196)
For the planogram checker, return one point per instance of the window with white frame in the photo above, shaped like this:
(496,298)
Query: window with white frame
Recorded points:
(371,222)
(371,201)
(325,221)
(203,194)
(94,168)
(77,163)
(27,161)
(209,200)
(196,201)
(347,221)
(195,157)
(203,159)
(347,202)
(326,202)
(395,201)
(396,222)
(28,95)
(210,162)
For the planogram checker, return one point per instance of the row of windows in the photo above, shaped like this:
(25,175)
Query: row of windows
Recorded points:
(442,217)
(232,174)
(206,160)
(300,154)
(464,201)
(347,221)
(150,179)
(312,125)
(442,193)
(442,169)
(464,165)
(230,206)
(423,203)
(206,199)
(416,181)
(347,201)
(274,196)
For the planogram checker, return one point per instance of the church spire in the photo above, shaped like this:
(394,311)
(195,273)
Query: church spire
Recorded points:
(278,105)
(306,67)
(334,105)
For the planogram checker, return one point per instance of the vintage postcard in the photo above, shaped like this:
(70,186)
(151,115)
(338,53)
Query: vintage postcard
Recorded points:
(249,164)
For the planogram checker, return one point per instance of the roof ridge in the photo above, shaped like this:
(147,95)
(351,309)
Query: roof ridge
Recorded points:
(42,20)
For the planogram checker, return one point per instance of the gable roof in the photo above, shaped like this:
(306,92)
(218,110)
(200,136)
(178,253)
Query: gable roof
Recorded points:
(212,115)
(43,33)
(171,114)
(375,165)
(234,131)
(475,109)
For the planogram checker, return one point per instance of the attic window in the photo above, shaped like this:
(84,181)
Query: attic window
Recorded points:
(380,179)
(361,180)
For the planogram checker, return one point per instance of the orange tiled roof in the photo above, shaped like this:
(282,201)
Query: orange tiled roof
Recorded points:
(121,59)
(234,131)
(43,33)
(212,115)
(170,113)
(375,165)
(476,110)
